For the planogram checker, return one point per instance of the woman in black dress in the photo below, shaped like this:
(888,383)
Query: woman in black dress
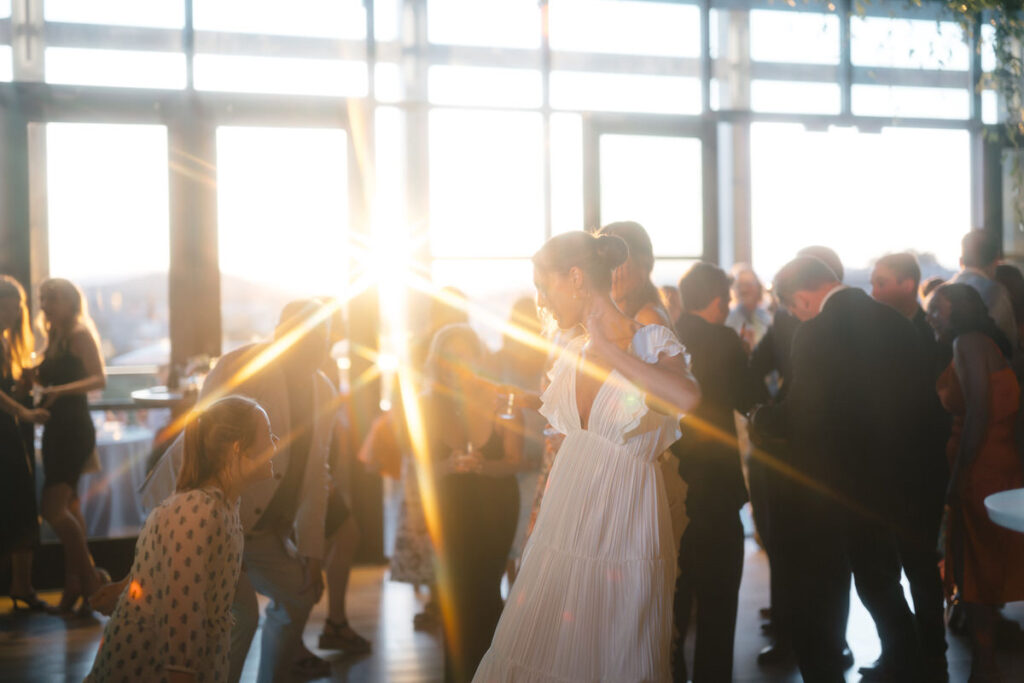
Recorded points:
(477,452)
(19,534)
(71,368)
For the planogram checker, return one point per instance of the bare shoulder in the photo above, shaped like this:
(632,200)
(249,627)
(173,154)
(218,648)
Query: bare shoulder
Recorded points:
(81,338)
(977,350)
(80,331)
(651,314)
(972,343)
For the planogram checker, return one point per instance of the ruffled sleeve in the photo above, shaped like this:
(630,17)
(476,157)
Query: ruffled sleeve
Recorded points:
(649,344)
(653,340)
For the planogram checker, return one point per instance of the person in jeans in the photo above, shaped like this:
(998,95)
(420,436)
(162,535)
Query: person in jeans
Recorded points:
(284,517)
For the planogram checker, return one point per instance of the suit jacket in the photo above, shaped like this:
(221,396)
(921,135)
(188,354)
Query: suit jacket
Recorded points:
(853,413)
(709,465)
(774,350)
(269,388)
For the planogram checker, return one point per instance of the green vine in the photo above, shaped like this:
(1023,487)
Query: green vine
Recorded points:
(1007,76)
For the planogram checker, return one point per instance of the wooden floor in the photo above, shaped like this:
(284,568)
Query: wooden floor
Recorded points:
(38,648)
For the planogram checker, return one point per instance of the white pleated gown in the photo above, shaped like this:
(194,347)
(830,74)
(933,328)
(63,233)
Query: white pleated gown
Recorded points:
(593,599)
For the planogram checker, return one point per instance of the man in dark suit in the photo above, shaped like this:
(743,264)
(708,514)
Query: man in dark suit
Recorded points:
(772,355)
(849,416)
(711,551)
(894,281)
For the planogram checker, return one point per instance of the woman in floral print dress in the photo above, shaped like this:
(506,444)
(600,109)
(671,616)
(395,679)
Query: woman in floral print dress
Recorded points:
(172,619)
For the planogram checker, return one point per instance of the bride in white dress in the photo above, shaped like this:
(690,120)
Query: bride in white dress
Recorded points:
(593,599)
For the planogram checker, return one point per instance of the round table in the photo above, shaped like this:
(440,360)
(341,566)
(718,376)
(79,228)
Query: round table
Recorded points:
(158,397)
(1006,509)
(111,503)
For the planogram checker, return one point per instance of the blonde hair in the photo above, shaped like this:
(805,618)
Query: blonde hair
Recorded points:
(80,308)
(209,436)
(19,342)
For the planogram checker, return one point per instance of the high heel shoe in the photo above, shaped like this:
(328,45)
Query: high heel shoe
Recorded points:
(72,592)
(32,603)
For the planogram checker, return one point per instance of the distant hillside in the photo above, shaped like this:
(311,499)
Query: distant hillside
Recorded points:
(132,314)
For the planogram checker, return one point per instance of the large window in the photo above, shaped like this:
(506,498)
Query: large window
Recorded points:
(86,45)
(512,24)
(794,37)
(862,194)
(597,26)
(107,216)
(152,13)
(656,181)
(486,200)
(486,183)
(307,47)
(282,206)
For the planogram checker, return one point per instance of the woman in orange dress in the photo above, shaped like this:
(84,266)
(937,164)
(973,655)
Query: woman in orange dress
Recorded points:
(984,562)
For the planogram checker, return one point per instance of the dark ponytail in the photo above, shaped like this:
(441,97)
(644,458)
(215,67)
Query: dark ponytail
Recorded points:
(210,436)
(596,256)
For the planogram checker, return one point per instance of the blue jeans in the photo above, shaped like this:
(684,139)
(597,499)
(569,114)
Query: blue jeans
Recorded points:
(268,569)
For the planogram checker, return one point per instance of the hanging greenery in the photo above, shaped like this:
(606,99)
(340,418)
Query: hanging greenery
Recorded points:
(1004,16)
(1007,76)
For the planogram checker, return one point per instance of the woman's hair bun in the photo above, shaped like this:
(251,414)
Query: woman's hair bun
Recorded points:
(611,250)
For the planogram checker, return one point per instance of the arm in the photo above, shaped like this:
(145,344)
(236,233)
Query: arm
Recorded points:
(12,407)
(669,386)
(970,364)
(524,398)
(191,563)
(84,347)
(105,599)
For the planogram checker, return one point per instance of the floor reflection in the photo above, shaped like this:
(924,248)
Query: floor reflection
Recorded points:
(41,649)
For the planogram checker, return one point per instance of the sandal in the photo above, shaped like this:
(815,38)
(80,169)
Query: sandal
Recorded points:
(312,667)
(341,636)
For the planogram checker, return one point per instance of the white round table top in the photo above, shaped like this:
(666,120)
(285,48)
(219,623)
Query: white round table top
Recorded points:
(1006,509)
(158,397)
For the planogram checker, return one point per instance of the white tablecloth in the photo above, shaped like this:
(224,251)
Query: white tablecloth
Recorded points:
(110,498)
(1006,509)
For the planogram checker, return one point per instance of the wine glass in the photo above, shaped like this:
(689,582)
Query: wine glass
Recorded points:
(467,459)
(508,412)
